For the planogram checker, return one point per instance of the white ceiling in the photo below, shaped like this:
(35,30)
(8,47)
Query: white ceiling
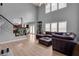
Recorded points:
(38,4)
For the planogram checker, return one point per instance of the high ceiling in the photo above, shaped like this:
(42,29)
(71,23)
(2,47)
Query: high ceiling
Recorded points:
(38,4)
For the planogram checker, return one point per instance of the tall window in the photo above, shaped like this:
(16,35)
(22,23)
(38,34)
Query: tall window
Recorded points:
(47,27)
(53,27)
(53,6)
(32,29)
(62,5)
(47,8)
(62,26)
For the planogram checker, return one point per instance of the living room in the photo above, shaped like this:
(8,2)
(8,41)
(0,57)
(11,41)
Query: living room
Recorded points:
(48,23)
(59,19)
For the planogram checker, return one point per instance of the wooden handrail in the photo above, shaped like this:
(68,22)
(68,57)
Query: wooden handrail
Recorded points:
(7,19)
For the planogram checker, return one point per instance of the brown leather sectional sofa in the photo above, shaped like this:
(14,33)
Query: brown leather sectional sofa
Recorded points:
(63,42)
(42,35)
(63,45)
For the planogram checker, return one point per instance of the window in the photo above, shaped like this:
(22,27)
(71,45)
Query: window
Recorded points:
(62,5)
(53,27)
(53,6)
(47,8)
(62,26)
(32,29)
(56,26)
(23,25)
(47,27)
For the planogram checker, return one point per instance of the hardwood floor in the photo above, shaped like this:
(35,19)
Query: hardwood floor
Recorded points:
(30,47)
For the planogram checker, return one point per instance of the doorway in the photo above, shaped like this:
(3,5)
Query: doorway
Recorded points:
(32,29)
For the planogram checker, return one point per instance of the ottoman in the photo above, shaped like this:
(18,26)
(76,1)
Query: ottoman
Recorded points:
(45,41)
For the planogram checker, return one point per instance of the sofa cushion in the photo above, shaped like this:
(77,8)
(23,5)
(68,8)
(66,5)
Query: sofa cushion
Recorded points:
(63,37)
(59,33)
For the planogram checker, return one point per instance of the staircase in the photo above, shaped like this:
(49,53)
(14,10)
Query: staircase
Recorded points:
(6,29)
(1,22)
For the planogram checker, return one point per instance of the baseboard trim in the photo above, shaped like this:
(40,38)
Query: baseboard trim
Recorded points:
(13,40)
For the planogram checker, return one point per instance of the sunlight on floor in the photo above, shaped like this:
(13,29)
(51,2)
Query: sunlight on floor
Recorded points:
(32,38)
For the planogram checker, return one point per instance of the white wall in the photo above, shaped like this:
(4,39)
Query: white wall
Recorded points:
(17,10)
(6,32)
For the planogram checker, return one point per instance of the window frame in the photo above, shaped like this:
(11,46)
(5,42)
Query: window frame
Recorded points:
(48,26)
(54,6)
(59,29)
(47,8)
(54,28)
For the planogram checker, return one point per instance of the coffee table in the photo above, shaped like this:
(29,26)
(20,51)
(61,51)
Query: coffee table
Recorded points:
(45,41)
